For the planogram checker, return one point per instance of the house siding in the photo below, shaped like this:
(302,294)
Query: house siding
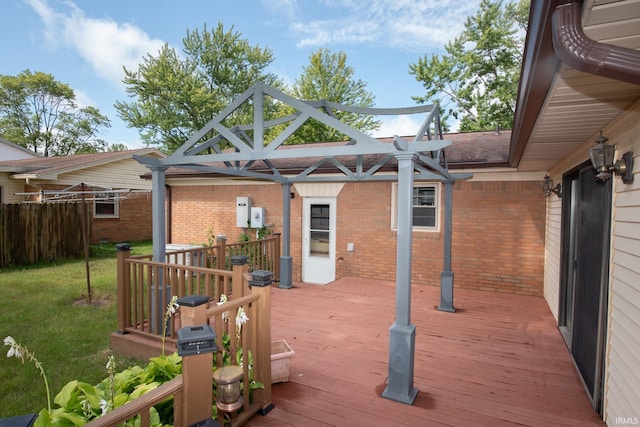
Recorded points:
(622,392)
(552,256)
(122,174)
(498,231)
(622,360)
(9,187)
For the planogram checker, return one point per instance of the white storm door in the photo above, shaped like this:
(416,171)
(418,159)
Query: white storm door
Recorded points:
(319,240)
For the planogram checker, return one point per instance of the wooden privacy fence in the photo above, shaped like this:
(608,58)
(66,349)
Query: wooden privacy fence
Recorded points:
(246,344)
(40,232)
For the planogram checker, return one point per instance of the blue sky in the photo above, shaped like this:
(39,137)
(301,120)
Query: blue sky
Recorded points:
(85,43)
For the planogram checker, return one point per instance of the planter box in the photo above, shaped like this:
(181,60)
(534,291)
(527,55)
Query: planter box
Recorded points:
(281,354)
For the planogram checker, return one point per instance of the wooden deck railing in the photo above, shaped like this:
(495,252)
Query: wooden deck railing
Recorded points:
(263,254)
(141,313)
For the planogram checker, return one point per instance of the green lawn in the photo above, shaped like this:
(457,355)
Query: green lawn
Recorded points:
(42,307)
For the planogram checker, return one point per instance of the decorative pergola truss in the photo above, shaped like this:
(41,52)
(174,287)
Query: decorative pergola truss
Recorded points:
(241,151)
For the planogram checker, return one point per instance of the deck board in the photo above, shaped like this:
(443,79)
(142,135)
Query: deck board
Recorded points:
(498,361)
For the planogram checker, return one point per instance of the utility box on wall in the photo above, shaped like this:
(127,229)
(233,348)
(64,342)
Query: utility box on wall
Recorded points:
(243,210)
(257,217)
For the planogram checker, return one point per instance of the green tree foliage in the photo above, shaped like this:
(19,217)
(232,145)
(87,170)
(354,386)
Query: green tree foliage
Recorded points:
(40,113)
(118,146)
(327,77)
(477,78)
(176,95)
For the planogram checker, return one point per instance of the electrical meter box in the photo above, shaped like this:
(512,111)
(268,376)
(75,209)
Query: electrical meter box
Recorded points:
(243,210)
(257,217)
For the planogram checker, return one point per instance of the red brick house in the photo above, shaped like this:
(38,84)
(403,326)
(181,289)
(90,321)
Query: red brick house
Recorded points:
(496,214)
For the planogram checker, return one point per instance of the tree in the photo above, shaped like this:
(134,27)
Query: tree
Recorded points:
(175,96)
(40,113)
(118,146)
(327,77)
(478,75)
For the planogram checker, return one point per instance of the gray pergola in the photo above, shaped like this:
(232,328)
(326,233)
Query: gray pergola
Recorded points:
(421,159)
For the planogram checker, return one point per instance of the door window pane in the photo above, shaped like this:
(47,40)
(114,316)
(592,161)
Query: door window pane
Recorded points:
(319,231)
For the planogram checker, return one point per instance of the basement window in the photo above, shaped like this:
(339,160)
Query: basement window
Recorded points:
(425,207)
(105,205)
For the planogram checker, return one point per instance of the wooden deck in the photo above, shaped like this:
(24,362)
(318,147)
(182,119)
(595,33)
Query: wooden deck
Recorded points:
(498,361)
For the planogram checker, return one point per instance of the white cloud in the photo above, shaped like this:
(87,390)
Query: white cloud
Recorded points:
(399,125)
(104,44)
(415,26)
(83,99)
(287,8)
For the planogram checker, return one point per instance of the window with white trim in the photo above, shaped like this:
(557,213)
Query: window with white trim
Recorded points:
(105,205)
(425,207)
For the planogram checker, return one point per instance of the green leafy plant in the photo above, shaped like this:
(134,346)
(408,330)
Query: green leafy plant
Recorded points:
(78,402)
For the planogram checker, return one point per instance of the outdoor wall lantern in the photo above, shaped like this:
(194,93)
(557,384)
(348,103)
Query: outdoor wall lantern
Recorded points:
(602,158)
(227,379)
(547,187)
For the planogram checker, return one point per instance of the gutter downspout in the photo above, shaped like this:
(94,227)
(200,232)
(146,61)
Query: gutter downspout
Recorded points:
(578,51)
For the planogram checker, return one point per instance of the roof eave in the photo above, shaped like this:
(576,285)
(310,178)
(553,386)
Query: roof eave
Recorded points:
(539,68)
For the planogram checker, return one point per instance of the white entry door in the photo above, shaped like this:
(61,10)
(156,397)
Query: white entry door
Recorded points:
(319,240)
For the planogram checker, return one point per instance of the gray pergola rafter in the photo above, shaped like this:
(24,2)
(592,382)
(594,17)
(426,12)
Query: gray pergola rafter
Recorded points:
(241,151)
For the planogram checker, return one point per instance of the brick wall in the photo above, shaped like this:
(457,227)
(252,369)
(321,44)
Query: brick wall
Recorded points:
(498,231)
(133,224)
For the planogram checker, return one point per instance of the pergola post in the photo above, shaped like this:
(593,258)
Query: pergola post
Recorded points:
(159,299)
(286,262)
(403,333)
(446,277)
(158,212)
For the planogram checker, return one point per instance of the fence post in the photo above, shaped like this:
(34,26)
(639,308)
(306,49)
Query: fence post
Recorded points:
(240,268)
(124,286)
(221,250)
(260,283)
(196,368)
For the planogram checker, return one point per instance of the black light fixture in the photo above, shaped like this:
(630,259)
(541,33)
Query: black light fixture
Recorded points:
(602,158)
(547,187)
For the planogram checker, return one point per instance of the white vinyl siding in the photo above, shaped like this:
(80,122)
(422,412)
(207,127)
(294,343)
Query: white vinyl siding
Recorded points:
(123,174)
(552,254)
(11,186)
(622,391)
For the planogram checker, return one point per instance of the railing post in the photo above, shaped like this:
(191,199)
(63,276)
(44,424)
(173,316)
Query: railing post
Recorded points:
(124,286)
(221,250)
(276,257)
(260,283)
(193,310)
(196,368)
(240,268)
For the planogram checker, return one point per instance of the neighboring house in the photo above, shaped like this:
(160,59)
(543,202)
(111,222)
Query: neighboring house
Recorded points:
(11,151)
(592,243)
(112,183)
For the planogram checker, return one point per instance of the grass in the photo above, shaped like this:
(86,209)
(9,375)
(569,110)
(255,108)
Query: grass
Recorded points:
(43,307)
